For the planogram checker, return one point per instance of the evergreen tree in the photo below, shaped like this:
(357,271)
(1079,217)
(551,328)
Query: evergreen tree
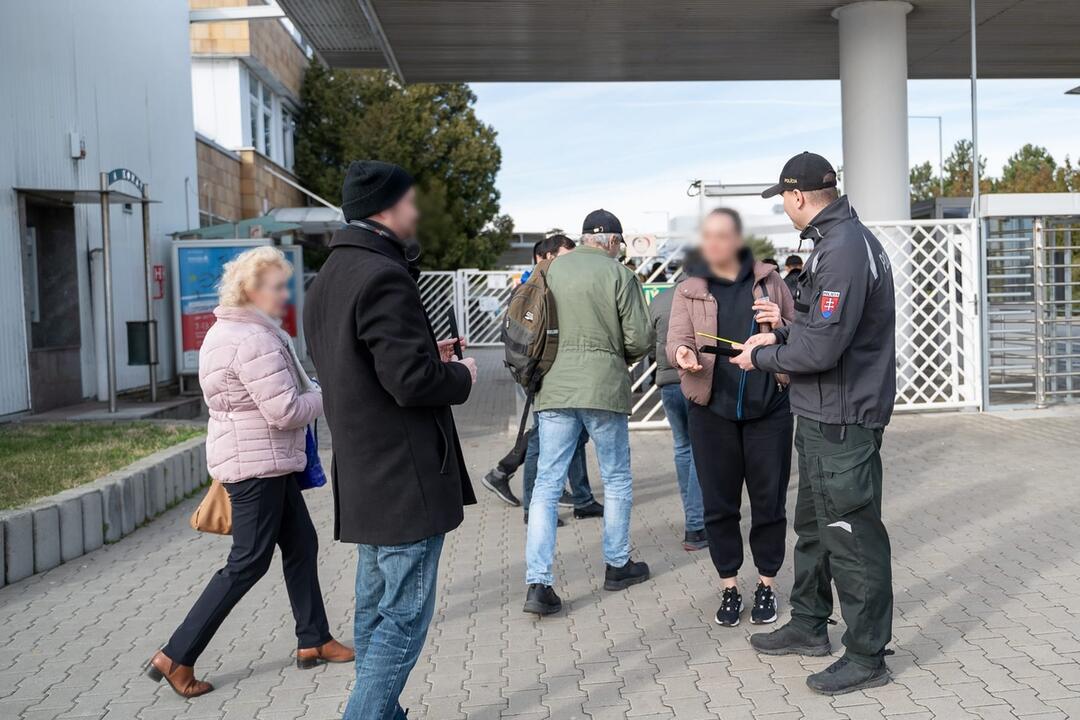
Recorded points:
(1031,169)
(432,131)
(924,183)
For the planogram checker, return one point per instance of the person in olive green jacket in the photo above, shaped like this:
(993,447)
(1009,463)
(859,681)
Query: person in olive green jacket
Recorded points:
(603,327)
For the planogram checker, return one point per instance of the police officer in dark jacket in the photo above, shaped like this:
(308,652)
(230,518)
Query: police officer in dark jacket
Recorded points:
(399,478)
(841,356)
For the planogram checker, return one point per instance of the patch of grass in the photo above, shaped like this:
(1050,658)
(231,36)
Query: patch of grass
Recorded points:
(41,459)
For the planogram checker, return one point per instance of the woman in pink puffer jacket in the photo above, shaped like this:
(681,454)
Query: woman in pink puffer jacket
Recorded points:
(260,402)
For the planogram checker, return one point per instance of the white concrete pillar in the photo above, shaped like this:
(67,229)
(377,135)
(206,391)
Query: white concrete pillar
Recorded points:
(873,89)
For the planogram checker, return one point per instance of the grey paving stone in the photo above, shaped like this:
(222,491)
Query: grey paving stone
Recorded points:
(71,528)
(181,470)
(18,531)
(93,518)
(138,497)
(127,504)
(46,538)
(112,507)
(984,566)
(157,494)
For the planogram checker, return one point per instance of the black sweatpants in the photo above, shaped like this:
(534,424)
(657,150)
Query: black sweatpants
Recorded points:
(265,512)
(726,452)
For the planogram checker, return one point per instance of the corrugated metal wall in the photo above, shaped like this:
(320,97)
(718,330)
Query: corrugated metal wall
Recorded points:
(119,73)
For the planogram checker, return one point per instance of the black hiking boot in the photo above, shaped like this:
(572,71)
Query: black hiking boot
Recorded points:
(542,600)
(623,577)
(845,676)
(791,640)
(695,540)
(592,510)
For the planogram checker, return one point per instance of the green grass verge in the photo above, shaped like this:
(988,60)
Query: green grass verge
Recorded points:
(42,459)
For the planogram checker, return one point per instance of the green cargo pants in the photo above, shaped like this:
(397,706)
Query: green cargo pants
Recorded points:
(841,537)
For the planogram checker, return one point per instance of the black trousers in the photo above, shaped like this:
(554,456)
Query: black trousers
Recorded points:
(265,512)
(726,452)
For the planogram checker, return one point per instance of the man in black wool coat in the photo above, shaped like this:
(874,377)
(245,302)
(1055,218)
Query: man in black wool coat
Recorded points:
(398,474)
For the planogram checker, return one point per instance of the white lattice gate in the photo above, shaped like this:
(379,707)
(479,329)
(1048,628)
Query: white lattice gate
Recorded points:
(438,291)
(484,296)
(938,339)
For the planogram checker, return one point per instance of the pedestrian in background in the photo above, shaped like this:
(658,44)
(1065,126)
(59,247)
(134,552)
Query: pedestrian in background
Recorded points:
(497,480)
(740,421)
(841,355)
(676,411)
(603,327)
(399,476)
(793,266)
(259,400)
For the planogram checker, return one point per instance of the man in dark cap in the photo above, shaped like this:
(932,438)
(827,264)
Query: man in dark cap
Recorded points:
(792,266)
(399,478)
(840,354)
(603,327)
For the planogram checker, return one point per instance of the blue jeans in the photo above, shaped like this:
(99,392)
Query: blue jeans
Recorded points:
(560,434)
(578,475)
(677,411)
(395,600)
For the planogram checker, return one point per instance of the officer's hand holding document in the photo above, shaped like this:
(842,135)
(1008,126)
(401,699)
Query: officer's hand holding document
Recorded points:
(743,359)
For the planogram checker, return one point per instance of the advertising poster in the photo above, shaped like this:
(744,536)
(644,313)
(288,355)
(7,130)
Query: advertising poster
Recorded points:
(197,268)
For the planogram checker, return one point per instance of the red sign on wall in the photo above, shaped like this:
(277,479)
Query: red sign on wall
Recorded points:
(159,282)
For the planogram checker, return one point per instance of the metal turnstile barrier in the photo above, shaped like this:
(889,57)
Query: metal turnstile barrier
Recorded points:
(1032,324)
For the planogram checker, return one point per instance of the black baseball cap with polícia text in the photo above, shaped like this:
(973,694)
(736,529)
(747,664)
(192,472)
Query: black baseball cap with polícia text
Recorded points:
(805,171)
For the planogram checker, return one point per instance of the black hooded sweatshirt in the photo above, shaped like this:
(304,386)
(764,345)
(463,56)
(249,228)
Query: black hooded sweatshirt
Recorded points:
(737,394)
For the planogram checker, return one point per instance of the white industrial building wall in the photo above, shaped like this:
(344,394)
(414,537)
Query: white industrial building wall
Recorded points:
(118,72)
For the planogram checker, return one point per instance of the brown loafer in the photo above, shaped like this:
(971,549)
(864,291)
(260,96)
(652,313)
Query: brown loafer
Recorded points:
(181,678)
(330,652)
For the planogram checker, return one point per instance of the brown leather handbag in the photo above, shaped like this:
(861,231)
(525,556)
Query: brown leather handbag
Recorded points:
(214,514)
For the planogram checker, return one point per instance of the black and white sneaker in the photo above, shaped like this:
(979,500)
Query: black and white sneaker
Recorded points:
(730,608)
(499,483)
(566,500)
(764,610)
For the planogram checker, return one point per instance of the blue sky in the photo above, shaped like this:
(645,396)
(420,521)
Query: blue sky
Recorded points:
(633,147)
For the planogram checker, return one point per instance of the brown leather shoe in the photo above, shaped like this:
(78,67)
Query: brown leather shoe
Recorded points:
(180,677)
(332,652)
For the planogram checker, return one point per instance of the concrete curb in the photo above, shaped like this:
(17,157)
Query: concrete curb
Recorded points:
(58,529)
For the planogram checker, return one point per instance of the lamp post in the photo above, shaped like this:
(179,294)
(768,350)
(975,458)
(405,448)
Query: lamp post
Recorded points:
(940,150)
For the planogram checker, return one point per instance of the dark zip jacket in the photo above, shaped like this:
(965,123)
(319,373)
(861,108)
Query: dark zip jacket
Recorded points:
(841,350)
(737,394)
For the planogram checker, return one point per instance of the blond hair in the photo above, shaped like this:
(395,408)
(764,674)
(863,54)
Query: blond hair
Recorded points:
(242,274)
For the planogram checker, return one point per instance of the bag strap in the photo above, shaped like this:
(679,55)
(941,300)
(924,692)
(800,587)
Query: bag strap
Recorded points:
(521,444)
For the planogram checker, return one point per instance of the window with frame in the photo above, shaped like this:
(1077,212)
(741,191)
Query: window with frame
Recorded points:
(267,121)
(288,135)
(254,89)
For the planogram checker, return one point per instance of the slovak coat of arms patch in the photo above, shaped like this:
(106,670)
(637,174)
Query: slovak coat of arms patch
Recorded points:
(830,303)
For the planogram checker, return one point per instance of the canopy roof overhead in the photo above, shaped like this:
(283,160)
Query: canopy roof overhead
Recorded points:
(565,40)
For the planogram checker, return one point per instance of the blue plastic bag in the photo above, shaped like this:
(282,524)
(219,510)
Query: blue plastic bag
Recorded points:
(312,475)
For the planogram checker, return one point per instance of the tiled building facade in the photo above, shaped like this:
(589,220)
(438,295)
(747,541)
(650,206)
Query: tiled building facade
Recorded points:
(246,77)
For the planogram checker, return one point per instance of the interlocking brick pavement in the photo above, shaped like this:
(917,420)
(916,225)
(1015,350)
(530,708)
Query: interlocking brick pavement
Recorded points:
(982,509)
